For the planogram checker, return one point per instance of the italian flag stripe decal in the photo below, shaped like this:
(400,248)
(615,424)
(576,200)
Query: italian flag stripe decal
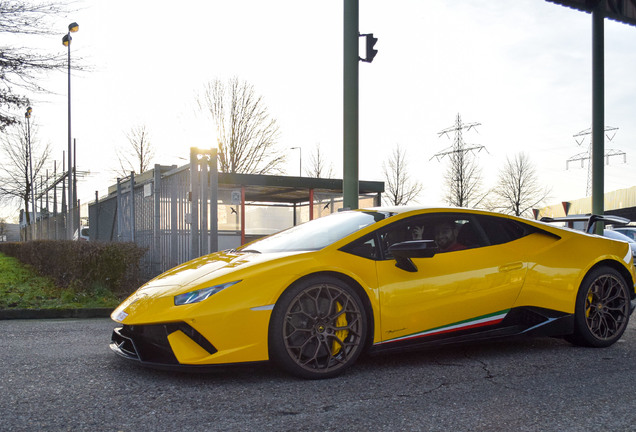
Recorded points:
(481,321)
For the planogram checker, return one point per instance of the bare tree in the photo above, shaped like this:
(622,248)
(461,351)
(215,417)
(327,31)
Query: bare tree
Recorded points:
(15,179)
(246,133)
(318,166)
(138,155)
(518,190)
(463,180)
(400,189)
(20,68)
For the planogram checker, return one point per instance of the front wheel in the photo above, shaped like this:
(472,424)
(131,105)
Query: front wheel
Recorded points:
(602,309)
(318,328)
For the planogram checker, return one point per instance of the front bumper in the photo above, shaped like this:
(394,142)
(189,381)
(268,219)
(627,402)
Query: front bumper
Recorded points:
(151,344)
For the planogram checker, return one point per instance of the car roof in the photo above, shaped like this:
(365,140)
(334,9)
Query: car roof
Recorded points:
(404,211)
(397,209)
(414,208)
(541,224)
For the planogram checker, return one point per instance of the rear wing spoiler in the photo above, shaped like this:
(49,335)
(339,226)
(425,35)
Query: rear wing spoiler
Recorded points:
(589,219)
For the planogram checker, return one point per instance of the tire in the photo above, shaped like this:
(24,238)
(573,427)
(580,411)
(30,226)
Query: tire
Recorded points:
(602,309)
(318,328)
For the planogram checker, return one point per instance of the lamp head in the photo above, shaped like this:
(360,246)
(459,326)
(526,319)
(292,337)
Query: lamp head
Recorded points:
(66,40)
(73,27)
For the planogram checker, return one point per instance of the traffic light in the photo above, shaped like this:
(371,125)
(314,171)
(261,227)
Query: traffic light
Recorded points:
(371,52)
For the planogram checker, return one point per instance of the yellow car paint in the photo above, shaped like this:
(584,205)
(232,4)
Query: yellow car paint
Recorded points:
(186,350)
(458,286)
(541,269)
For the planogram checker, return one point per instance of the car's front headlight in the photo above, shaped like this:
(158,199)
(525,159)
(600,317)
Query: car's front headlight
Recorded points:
(200,295)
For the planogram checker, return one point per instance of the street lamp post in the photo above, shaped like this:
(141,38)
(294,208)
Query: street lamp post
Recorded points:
(300,158)
(66,41)
(27,115)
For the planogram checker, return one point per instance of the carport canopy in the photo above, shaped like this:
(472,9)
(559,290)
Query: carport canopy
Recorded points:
(290,190)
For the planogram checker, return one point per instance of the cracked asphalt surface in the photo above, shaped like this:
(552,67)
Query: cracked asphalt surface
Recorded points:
(59,375)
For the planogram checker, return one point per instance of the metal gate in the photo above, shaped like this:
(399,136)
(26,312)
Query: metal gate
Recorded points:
(172,214)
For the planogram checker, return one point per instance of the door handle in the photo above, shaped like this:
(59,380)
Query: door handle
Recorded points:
(511,267)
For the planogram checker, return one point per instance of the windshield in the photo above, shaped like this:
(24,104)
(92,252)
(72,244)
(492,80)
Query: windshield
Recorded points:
(316,234)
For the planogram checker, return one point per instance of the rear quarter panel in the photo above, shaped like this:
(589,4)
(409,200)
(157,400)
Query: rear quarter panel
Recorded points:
(556,267)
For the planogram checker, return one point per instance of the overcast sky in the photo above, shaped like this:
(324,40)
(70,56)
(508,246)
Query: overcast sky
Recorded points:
(520,68)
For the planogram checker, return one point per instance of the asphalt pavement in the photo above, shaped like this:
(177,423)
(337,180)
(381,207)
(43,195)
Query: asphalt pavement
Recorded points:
(59,375)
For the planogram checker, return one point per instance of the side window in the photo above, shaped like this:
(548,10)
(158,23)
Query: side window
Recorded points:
(450,231)
(500,230)
(364,247)
(629,233)
(397,233)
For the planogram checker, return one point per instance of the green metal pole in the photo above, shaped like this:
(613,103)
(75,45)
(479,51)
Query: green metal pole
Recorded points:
(598,111)
(350,105)
(71,204)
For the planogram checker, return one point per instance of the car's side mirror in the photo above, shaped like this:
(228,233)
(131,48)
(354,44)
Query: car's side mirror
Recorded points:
(404,251)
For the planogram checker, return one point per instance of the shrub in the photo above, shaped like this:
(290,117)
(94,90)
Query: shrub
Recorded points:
(82,267)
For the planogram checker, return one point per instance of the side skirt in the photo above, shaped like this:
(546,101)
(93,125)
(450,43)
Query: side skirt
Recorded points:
(529,321)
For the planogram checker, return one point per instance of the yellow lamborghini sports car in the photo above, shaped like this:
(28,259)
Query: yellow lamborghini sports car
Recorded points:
(314,297)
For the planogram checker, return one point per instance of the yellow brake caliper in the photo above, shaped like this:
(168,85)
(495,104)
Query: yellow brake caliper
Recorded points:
(340,334)
(588,305)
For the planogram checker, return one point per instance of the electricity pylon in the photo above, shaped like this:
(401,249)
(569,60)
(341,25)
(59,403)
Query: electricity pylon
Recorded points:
(587,156)
(463,177)
(459,146)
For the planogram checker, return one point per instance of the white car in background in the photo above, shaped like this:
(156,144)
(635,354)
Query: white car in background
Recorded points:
(618,235)
(588,222)
(81,234)
(629,231)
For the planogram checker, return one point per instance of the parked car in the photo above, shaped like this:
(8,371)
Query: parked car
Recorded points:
(629,231)
(618,235)
(588,222)
(314,297)
(81,234)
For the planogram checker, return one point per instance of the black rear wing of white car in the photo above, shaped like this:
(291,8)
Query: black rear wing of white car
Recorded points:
(589,219)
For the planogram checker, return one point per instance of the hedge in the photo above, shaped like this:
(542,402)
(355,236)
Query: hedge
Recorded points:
(80,265)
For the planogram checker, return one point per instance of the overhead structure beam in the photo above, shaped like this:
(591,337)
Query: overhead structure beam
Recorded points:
(623,11)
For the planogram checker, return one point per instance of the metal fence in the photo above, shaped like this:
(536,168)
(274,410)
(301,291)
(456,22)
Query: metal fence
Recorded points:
(52,215)
(171,211)
(180,213)
(155,213)
(50,226)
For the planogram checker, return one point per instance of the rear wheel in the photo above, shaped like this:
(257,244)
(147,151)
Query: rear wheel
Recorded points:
(602,309)
(318,328)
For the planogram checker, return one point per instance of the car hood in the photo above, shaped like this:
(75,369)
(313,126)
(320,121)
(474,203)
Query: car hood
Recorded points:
(215,265)
(213,269)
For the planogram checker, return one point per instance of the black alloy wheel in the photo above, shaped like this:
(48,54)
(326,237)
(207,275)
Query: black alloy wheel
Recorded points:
(318,328)
(602,309)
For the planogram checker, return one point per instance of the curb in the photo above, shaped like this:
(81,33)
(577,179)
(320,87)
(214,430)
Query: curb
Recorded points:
(10,314)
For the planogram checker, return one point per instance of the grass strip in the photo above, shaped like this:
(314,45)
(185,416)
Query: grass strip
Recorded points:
(22,288)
